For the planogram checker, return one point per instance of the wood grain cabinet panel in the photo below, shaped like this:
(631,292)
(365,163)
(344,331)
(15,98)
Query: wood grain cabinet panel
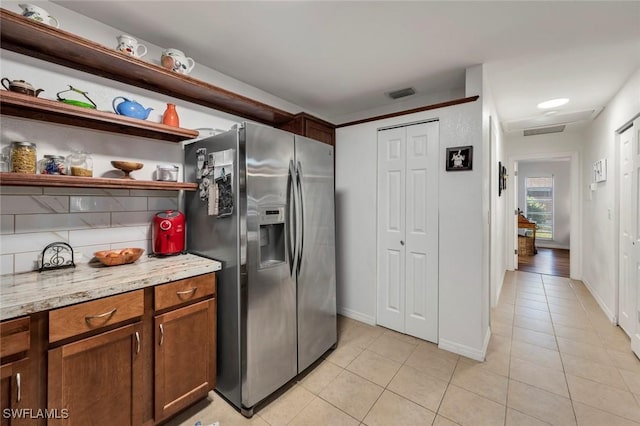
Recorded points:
(15,382)
(185,357)
(94,315)
(14,336)
(98,380)
(179,292)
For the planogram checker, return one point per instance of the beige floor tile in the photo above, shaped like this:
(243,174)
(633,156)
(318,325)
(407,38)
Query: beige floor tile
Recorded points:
(538,403)
(352,394)
(543,326)
(590,416)
(614,338)
(418,387)
(287,406)
(595,371)
(392,409)
(562,293)
(538,290)
(360,336)
(320,412)
(566,310)
(505,317)
(443,421)
(535,375)
(402,337)
(632,380)
(469,376)
(578,335)
(501,328)
(343,355)
(576,320)
(532,313)
(495,362)
(606,398)
(432,361)
(537,355)
(499,344)
(375,368)
(531,296)
(625,360)
(516,418)
(392,348)
(532,304)
(468,408)
(504,307)
(214,409)
(535,338)
(583,350)
(567,303)
(323,374)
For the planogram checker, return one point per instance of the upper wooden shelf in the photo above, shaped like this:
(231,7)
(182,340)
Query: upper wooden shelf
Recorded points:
(22,179)
(19,105)
(41,41)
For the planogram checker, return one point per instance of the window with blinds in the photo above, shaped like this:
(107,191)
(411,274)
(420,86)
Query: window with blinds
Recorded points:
(539,207)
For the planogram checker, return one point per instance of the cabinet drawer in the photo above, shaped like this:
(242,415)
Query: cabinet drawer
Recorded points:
(88,316)
(14,336)
(178,292)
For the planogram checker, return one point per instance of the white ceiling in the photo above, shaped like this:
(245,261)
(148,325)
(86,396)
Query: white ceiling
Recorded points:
(338,59)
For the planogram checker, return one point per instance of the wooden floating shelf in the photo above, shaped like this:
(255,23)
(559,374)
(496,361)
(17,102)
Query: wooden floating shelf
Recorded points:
(41,41)
(19,105)
(22,179)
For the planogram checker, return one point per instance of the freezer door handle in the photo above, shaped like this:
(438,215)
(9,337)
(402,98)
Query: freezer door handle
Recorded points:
(300,207)
(291,213)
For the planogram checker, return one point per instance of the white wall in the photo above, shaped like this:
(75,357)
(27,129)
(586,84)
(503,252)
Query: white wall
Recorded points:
(92,219)
(602,206)
(560,170)
(464,295)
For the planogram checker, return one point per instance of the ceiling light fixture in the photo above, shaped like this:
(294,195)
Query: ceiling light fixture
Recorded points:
(553,103)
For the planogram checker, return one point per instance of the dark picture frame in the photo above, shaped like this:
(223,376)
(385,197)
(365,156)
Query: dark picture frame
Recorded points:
(504,178)
(459,158)
(500,178)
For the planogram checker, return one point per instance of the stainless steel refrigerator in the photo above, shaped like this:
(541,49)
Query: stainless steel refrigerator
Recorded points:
(265,209)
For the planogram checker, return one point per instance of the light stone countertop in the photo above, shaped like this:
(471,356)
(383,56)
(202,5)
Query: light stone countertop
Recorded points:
(23,294)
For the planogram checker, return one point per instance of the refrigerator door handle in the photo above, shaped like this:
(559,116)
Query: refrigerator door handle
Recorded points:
(300,207)
(291,222)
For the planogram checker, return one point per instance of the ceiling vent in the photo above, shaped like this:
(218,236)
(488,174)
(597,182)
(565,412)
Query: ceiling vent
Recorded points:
(402,93)
(544,130)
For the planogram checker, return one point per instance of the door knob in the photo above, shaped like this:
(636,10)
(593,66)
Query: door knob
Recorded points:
(401,242)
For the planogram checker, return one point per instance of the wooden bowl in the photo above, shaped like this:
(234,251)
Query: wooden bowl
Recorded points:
(118,257)
(127,167)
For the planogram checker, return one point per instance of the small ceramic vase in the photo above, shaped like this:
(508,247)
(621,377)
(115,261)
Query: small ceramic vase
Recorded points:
(130,46)
(170,116)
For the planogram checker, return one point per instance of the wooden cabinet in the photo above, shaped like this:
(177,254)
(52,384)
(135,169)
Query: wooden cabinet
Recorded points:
(98,380)
(16,378)
(312,127)
(185,357)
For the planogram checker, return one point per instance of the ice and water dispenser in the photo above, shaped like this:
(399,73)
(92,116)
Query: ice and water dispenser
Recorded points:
(272,236)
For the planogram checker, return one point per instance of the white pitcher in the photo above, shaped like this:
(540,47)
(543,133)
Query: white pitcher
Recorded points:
(130,46)
(38,14)
(175,60)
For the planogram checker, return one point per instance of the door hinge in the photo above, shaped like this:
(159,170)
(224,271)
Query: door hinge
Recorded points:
(515,251)
(515,212)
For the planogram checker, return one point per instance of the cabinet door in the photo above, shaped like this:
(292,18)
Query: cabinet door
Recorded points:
(98,380)
(13,393)
(185,357)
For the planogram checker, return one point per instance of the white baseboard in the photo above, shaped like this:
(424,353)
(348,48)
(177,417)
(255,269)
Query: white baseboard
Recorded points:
(612,317)
(358,316)
(469,352)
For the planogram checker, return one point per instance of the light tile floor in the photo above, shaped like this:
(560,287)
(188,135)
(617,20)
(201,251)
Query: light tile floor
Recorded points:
(554,358)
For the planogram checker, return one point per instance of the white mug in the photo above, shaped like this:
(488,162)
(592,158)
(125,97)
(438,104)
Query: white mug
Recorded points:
(38,14)
(129,46)
(175,60)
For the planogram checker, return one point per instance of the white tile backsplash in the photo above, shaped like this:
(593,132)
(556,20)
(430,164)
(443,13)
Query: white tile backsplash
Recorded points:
(61,222)
(6,224)
(29,204)
(107,204)
(162,203)
(21,243)
(89,220)
(6,264)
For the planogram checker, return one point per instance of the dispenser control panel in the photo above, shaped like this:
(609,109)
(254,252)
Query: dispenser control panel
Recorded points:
(270,215)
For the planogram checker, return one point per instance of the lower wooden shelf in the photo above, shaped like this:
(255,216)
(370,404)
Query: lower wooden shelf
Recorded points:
(21,179)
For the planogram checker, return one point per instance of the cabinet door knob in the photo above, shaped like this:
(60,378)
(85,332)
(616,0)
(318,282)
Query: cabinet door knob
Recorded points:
(401,242)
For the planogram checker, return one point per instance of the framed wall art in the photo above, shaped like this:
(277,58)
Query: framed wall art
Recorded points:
(459,158)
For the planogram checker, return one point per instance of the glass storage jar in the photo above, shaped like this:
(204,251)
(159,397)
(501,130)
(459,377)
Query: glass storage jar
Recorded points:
(23,157)
(52,165)
(80,164)
(4,163)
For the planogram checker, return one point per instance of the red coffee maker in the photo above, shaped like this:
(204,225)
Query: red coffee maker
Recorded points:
(168,233)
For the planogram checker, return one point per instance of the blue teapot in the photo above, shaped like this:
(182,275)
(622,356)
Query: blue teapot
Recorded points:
(130,108)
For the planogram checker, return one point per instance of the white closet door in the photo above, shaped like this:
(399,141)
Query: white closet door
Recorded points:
(421,308)
(627,291)
(391,228)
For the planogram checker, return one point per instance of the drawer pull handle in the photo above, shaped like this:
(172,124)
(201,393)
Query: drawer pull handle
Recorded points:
(190,291)
(137,342)
(19,387)
(161,334)
(106,314)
